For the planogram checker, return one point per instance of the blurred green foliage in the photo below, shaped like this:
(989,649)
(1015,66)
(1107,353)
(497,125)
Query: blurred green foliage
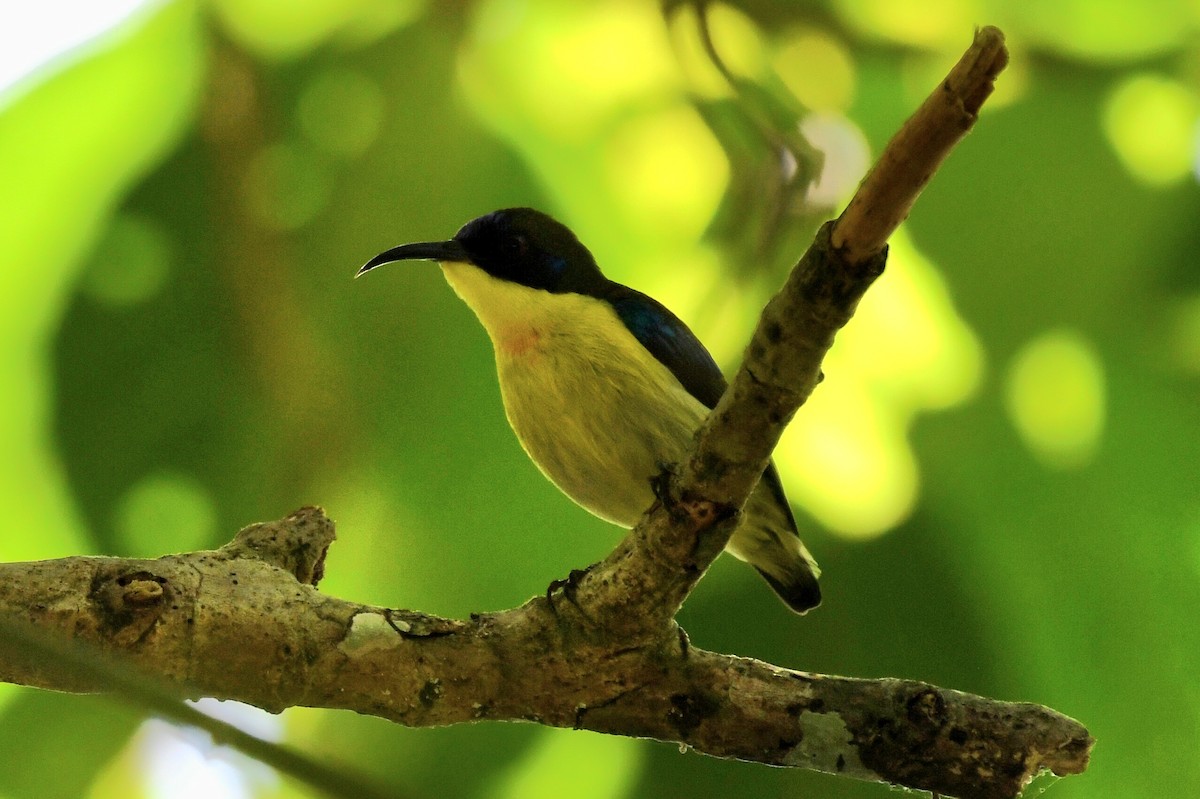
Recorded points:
(1001,470)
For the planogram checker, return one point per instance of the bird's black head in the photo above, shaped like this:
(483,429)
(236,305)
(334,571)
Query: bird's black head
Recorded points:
(519,245)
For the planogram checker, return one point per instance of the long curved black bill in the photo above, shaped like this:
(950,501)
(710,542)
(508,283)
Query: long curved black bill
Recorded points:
(421,251)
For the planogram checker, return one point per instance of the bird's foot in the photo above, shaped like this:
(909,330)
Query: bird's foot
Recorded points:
(699,512)
(568,589)
(680,507)
(660,483)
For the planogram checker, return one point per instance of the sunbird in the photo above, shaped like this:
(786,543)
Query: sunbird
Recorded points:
(602,385)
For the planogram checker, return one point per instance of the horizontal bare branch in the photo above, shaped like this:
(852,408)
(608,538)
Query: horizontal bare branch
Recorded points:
(186,618)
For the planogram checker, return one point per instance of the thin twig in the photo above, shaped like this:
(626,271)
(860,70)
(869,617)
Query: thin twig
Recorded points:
(914,154)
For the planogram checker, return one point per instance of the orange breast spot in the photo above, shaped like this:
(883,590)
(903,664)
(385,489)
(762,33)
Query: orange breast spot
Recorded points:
(517,342)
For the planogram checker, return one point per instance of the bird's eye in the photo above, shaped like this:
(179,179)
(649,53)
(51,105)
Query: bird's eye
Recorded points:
(516,246)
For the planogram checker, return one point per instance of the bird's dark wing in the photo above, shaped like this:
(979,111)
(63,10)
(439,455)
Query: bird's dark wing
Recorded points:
(675,346)
(670,341)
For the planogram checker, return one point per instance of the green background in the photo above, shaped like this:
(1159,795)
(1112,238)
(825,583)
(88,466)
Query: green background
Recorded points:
(998,476)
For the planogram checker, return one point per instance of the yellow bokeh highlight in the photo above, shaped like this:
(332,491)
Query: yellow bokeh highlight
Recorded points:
(609,53)
(817,68)
(846,457)
(1151,122)
(590,95)
(563,68)
(917,23)
(595,766)
(667,171)
(1106,31)
(286,30)
(1056,399)
(701,74)
(846,461)
(391,529)
(907,337)
(737,40)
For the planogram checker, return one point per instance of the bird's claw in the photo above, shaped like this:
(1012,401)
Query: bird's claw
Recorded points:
(568,588)
(660,483)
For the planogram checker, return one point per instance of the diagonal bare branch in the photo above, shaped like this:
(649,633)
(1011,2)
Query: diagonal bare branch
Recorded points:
(782,363)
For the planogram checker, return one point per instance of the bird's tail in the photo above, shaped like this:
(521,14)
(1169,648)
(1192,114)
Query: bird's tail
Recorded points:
(783,562)
(798,589)
(768,541)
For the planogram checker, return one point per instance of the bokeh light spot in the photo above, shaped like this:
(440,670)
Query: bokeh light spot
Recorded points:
(280,30)
(818,69)
(847,157)
(586,56)
(847,461)
(1105,30)
(398,531)
(701,74)
(260,723)
(907,337)
(184,763)
(1055,397)
(285,186)
(596,766)
(668,171)
(846,456)
(165,510)
(341,111)
(1151,122)
(919,23)
(496,20)
(737,40)
(131,262)
(561,68)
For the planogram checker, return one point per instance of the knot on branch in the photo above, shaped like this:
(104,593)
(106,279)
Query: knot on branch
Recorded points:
(999,747)
(128,603)
(296,543)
